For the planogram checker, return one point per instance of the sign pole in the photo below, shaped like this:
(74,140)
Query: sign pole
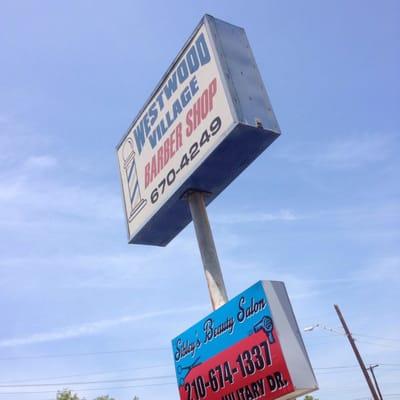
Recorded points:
(212,268)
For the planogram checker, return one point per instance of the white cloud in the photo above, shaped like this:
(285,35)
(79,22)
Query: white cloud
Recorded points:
(44,161)
(246,217)
(23,196)
(386,213)
(387,268)
(92,328)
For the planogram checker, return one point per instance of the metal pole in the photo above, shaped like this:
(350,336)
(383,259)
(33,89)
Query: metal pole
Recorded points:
(356,352)
(371,368)
(212,269)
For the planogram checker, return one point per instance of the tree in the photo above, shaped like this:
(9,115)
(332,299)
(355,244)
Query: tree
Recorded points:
(67,395)
(309,397)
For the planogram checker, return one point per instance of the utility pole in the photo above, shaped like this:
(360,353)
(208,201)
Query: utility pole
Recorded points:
(371,368)
(357,353)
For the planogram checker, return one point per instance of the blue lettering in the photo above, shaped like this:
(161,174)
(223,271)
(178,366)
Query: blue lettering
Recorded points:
(139,136)
(153,113)
(146,124)
(176,108)
(185,96)
(202,50)
(160,101)
(170,121)
(192,60)
(182,71)
(194,87)
(170,87)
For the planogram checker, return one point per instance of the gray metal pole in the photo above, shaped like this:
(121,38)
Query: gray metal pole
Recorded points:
(357,353)
(212,269)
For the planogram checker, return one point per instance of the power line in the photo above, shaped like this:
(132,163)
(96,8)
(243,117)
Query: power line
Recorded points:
(377,337)
(338,367)
(20,382)
(390,365)
(356,366)
(101,388)
(338,333)
(83,354)
(379,344)
(146,378)
(86,374)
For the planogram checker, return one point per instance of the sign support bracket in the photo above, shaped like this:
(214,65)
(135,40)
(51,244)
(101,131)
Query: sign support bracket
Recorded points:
(208,251)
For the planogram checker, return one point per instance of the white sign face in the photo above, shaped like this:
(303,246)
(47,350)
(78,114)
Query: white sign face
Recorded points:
(183,122)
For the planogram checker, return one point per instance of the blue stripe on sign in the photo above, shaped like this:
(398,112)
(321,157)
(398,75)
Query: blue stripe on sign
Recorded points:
(131,170)
(134,191)
(132,182)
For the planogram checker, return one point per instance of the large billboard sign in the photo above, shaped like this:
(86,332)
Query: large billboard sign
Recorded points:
(250,348)
(206,121)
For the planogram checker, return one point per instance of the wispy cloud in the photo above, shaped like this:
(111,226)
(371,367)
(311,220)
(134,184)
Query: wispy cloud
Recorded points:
(387,268)
(350,151)
(93,328)
(43,161)
(30,191)
(388,212)
(246,217)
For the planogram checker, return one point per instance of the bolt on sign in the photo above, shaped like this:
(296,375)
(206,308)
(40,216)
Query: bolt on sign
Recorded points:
(205,122)
(250,348)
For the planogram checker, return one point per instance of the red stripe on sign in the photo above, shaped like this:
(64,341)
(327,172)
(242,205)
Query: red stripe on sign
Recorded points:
(251,369)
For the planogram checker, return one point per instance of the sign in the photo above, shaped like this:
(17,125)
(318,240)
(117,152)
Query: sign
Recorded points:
(206,121)
(250,348)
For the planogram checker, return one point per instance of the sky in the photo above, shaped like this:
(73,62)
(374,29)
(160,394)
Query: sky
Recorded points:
(318,210)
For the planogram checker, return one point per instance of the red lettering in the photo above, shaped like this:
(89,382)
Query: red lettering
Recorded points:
(153,168)
(201,108)
(197,113)
(172,144)
(160,157)
(178,133)
(212,88)
(166,150)
(204,104)
(146,175)
(189,128)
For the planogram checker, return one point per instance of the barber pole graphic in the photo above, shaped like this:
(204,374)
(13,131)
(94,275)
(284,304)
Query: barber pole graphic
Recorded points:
(136,203)
(204,123)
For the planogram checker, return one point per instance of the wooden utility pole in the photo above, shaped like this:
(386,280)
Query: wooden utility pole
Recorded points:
(357,353)
(371,368)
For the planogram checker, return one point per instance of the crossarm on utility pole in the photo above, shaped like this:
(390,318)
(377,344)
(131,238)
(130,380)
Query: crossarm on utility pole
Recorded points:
(212,269)
(371,368)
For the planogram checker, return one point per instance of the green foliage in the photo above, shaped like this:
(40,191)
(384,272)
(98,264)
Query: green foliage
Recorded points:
(67,395)
(309,397)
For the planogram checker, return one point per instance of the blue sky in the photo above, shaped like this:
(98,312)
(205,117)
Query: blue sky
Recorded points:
(318,210)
